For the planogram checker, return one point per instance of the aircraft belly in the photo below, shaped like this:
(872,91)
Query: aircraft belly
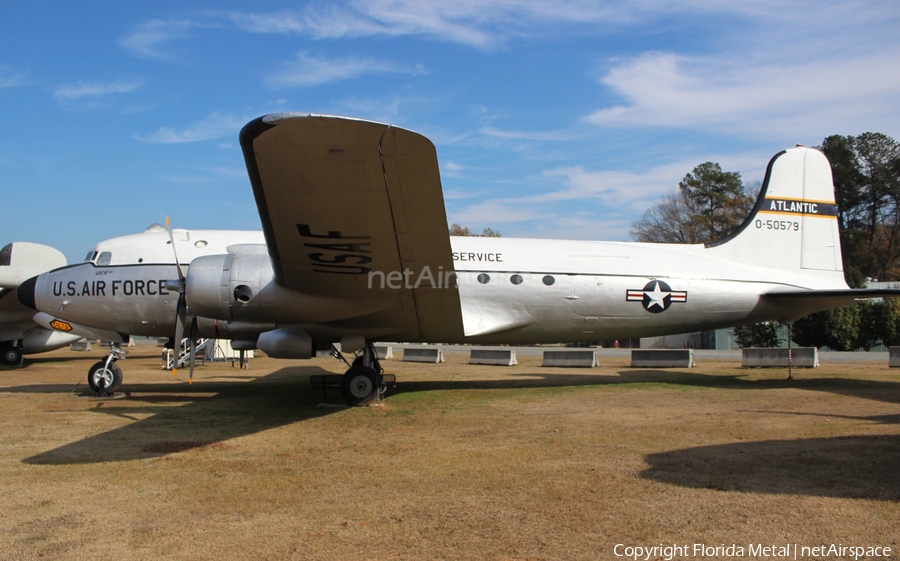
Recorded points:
(595,307)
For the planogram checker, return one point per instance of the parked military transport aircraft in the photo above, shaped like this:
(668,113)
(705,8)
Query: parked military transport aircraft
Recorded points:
(142,302)
(356,250)
(19,334)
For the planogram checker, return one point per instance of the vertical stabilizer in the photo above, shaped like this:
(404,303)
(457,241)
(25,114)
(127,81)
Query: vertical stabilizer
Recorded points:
(794,222)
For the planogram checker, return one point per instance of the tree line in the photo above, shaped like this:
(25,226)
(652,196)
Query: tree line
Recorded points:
(711,203)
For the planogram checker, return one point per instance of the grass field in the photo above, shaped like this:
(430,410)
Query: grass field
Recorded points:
(461,462)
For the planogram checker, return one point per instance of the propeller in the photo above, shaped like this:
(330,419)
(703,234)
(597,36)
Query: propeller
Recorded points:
(181,311)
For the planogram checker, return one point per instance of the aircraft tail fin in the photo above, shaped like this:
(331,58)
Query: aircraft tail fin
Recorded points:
(793,225)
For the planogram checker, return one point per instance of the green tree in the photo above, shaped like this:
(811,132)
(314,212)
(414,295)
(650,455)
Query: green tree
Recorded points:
(879,323)
(763,334)
(837,329)
(718,197)
(866,171)
(708,205)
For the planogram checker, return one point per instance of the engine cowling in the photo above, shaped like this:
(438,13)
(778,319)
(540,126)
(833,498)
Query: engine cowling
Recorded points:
(241,287)
(217,284)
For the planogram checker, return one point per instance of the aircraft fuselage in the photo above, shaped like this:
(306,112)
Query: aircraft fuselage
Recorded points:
(510,290)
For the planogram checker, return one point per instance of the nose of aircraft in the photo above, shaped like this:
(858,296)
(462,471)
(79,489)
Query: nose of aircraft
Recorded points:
(25,293)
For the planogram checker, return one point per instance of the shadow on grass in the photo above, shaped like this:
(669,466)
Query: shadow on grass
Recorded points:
(174,417)
(170,418)
(865,389)
(858,467)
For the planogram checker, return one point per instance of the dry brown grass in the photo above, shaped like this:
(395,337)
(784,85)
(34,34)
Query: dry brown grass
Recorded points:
(462,462)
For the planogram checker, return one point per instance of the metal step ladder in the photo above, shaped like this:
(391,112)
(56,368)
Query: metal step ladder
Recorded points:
(184,353)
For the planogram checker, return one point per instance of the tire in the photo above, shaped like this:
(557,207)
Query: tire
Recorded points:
(12,355)
(112,378)
(359,385)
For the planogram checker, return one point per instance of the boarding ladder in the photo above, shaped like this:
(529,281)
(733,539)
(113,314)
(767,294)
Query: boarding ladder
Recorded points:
(184,353)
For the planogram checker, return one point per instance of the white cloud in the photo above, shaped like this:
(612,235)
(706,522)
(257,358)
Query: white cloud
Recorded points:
(215,125)
(10,78)
(668,90)
(95,89)
(468,22)
(150,39)
(622,189)
(306,70)
(495,212)
(591,204)
(528,135)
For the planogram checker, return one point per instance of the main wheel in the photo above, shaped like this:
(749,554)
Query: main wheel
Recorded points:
(12,355)
(110,377)
(359,385)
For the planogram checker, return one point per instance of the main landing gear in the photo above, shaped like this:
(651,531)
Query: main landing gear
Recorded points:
(363,382)
(105,377)
(12,353)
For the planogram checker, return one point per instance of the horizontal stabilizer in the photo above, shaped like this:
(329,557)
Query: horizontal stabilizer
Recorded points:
(812,301)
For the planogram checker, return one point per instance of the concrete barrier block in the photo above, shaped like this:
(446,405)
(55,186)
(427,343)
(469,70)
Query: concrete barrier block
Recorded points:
(894,357)
(423,354)
(770,357)
(494,357)
(571,358)
(384,352)
(662,358)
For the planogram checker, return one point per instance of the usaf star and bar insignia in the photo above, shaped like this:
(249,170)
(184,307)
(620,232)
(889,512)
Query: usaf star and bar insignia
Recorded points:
(656,296)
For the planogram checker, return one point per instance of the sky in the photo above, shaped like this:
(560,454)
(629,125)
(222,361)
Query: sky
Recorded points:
(554,119)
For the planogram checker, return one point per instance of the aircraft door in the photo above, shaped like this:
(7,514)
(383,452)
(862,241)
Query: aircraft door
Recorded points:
(589,295)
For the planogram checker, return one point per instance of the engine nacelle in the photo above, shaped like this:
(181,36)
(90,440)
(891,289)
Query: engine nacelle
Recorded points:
(286,343)
(215,284)
(19,261)
(39,340)
(241,287)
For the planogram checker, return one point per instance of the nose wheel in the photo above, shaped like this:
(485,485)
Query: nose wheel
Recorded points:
(105,377)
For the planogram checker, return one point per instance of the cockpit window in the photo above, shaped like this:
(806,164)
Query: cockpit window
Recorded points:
(6,255)
(90,256)
(104,258)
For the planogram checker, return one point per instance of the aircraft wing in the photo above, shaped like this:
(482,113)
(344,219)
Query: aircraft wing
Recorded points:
(354,210)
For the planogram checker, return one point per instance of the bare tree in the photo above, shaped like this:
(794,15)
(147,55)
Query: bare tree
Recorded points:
(457,230)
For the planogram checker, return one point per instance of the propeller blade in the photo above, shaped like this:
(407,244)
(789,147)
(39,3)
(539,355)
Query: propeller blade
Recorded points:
(181,307)
(193,349)
(180,312)
(172,241)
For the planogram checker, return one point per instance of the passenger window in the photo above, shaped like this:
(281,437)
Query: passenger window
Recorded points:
(484,279)
(104,258)
(516,279)
(548,280)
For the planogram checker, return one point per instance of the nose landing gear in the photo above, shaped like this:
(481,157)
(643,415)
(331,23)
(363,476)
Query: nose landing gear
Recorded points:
(105,377)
